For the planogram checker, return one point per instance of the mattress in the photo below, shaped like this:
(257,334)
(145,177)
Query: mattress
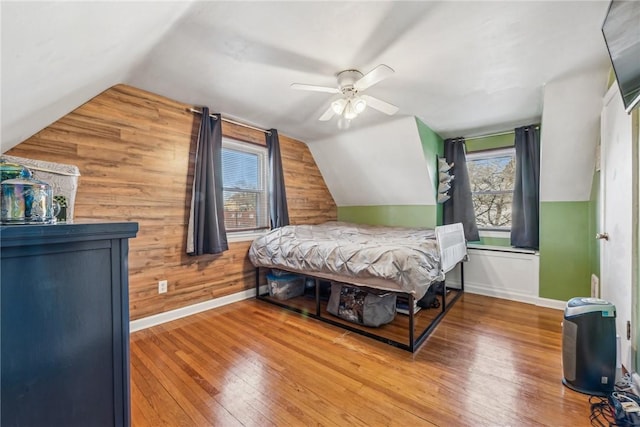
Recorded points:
(390,258)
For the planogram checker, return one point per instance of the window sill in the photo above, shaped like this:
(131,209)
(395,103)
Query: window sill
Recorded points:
(502,249)
(244,236)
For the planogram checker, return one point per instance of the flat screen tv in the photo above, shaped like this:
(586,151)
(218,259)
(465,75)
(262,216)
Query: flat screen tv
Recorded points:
(621,30)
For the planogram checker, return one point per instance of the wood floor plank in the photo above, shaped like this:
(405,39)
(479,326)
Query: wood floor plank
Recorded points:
(141,409)
(490,362)
(220,377)
(271,368)
(157,397)
(243,398)
(198,402)
(331,370)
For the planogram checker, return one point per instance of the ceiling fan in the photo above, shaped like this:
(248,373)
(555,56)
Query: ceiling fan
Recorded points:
(351,84)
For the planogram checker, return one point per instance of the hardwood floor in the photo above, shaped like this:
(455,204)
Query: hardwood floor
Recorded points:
(489,362)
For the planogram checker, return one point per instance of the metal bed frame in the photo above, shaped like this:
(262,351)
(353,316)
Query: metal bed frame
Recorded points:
(414,340)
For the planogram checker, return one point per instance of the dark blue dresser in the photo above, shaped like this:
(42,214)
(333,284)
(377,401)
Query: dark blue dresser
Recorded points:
(65,324)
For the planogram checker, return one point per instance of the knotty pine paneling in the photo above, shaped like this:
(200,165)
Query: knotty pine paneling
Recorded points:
(135,151)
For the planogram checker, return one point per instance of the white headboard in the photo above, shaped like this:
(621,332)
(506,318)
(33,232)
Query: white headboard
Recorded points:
(452,244)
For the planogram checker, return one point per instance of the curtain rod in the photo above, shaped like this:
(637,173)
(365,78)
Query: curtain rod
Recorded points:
(193,110)
(494,134)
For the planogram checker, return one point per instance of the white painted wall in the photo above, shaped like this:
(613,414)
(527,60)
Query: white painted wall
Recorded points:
(570,132)
(619,214)
(65,53)
(504,273)
(377,165)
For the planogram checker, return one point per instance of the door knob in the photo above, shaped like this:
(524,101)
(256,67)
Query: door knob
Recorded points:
(604,236)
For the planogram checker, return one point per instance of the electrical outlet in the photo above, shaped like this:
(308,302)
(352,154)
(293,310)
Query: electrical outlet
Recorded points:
(162,286)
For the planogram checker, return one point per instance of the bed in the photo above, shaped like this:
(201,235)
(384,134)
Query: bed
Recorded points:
(404,261)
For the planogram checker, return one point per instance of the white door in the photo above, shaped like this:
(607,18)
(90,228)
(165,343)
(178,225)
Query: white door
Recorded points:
(619,208)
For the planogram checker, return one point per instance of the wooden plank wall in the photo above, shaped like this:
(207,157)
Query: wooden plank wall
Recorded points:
(135,151)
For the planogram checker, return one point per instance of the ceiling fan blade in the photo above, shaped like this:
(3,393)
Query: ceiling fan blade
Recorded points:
(380,105)
(327,114)
(374,76)
(313,88)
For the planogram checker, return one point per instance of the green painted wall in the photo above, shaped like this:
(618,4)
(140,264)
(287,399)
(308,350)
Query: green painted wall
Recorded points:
(565,269)
(394,215)
(491,142)
(495,241)
(432,147)
(612,77)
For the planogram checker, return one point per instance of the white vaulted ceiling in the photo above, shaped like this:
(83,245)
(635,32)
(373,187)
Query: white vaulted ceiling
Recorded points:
(359,175)
(462,67)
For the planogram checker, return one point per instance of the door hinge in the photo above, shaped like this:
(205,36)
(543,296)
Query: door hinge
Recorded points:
(628,330)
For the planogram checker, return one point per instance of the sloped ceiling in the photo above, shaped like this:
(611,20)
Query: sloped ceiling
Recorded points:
(58,55)
(569,136)
(463,68)
(379,165)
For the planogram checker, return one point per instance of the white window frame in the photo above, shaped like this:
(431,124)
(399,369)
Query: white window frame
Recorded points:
(488,154)
(263,156)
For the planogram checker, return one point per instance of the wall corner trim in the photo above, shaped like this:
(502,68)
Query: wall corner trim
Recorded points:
(168,316)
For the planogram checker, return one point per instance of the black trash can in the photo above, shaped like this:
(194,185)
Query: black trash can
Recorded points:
(589,346)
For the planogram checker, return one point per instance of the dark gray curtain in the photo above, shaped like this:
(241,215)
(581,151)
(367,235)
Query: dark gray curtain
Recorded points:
(277,195)
(459,208)
(206,233)
(525,212)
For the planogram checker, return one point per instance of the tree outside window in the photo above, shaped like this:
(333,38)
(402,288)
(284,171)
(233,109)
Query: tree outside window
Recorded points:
(492,175)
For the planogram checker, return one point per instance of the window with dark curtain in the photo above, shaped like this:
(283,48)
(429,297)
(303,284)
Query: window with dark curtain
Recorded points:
(277,193)
(526,191)
(459,208)
(206,231)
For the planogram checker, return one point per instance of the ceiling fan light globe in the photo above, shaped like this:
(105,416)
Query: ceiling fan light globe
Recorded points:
(338,105)
(350,112)
(343,124)
(359,105)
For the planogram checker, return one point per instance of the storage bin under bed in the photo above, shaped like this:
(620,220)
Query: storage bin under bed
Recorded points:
(368,307)
(285,286)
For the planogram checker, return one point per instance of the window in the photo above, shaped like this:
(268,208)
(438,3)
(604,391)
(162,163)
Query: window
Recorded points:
(492,174)
(244,178)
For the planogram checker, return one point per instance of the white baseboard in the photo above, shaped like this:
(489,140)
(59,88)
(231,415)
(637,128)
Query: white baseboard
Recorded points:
(551,303)
(508,295)
(499,293)
(156,319)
